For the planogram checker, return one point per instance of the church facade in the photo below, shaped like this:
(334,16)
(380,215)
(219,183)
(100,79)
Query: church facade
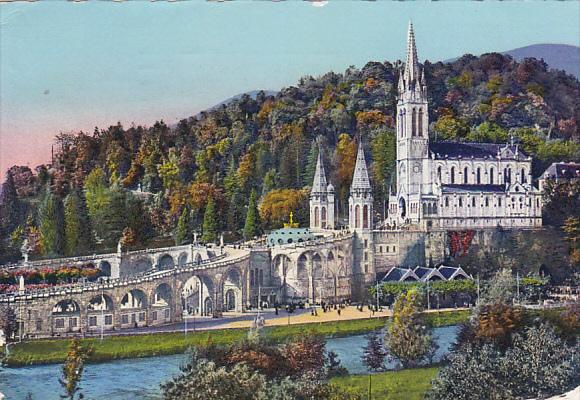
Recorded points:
(441,187)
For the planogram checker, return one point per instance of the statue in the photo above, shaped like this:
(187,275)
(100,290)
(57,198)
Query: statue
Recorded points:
(194,237)
(25,250)
(222,239)
(291,224)
(120,246)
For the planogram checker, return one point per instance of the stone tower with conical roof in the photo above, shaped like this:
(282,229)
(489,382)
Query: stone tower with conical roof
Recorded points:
(413,169)
(321,198)
(360,202)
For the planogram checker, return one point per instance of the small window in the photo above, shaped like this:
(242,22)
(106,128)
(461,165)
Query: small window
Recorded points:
(108,320)
(499,201)
(125,319)
(461,202)
(59,323)
(473,201)
(38,324)
(93,321)
(366,243)
(154,315)
(380,249)
(167,314)
(72,323)
(366,256)
(142,316)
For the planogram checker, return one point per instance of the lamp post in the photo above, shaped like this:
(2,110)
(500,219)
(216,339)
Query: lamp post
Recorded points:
(103,305)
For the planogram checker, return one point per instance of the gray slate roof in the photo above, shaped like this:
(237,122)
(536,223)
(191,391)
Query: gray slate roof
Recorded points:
(443,150)
(456,188)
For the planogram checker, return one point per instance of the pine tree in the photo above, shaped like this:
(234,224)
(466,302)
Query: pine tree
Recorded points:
(311,160)
(77,232)
(51,224)
(9,206)
(270,182)
(182,232)
(252,226)
(210,224)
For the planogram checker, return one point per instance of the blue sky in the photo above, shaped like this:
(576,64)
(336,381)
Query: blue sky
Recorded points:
(69,66)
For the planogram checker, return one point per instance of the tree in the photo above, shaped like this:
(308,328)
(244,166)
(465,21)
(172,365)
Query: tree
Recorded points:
(345,155)
(51,225)
(409,339)
(72,370)
(201,379)
(383,148)
(210,225)
(8,321)
(539,364)
(252,226)
(183,231)
(10,207)
(374,353)
(311,160)
(77,232)
(277,205)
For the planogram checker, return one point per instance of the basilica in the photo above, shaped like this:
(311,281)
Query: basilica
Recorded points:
(439,185)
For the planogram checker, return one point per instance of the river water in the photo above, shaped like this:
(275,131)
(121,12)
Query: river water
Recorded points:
(139,378)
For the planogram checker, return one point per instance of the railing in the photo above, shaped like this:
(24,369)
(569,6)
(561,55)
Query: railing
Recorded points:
(93,257)
(124,281)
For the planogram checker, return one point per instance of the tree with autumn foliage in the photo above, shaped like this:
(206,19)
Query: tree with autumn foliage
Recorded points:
(72,370)
(409,339)
(277,205)
(345,156)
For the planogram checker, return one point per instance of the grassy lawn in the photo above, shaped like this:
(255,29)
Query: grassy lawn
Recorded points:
(409,384)
(117,347)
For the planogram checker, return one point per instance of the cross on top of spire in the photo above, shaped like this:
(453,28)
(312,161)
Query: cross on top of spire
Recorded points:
(412,64)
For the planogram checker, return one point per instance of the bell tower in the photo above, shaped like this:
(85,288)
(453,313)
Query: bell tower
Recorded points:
(412,138)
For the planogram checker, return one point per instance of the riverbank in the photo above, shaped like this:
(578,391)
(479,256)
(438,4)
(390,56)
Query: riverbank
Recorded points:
(408,384)
(136,346)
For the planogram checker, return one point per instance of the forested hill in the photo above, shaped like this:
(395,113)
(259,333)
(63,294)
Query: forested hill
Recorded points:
(267,144)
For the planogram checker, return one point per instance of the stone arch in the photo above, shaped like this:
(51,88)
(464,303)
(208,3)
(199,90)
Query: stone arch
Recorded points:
(101,302)
(135,298)
(317,267)
(166,261)
(195,290)
(197,259)
(402,207)
(105,267)
(232,290)
(162,296)
(66,316)
(182,259)
(302,267)
(281,263)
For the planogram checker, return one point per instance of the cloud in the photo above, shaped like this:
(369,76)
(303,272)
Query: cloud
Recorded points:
(318,3)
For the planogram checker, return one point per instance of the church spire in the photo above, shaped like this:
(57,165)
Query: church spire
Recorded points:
(360,179)
(412,64)
(319,184)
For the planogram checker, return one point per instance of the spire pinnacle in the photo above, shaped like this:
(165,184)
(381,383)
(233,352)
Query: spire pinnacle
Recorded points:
(412,64)
(360,179)
(319,184)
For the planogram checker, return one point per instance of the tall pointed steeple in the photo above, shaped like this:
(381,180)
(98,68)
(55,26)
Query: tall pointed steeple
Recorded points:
(360,179)
(319,185)
(412,65)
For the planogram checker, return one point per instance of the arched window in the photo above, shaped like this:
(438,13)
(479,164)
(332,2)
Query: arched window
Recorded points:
(507,175)
(420,122)
(461,202)
(499,201)
(357,216)
(452,175)
(491,176)
(473,202)
(478,176)
(316,217)
(523,178)
(401,130)
(414,123)
(323,217)
(487,201)
(365,216)
(465,174)
(439,174)
(446,201)
(404,132)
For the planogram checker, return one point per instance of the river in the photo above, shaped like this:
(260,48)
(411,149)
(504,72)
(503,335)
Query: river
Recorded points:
(139,378)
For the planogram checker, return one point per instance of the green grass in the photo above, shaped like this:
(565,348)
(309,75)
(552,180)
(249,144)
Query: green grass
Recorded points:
(134,346)
(408,384)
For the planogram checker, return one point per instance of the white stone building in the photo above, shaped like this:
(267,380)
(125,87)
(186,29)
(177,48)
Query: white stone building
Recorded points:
(449,184)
